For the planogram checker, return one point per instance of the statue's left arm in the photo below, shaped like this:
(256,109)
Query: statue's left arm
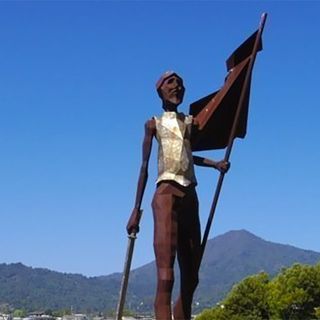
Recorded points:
(222,166)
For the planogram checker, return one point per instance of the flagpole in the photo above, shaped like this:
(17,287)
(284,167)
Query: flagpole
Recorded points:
(232,135)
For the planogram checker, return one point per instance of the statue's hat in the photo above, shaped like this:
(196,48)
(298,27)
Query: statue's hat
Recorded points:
(165,76)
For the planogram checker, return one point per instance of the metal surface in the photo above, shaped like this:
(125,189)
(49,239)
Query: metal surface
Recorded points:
(175,205)
(126,272)
(175,161)
(216,112)
(233,132)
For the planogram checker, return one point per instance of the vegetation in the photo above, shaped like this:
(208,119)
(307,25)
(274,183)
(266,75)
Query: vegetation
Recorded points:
(41,289)
(19,313)
(293,294)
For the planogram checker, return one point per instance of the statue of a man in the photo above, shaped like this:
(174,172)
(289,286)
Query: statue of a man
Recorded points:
(175,202)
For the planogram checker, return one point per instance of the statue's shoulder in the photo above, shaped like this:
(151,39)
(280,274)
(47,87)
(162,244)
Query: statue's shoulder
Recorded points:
(186,118)
(150,125)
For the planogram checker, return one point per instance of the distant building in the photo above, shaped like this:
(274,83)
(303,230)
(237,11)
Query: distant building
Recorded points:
(76,316)
(38,315)
(4,316)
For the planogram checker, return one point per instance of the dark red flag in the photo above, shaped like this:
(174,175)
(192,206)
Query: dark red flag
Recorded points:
(224,102)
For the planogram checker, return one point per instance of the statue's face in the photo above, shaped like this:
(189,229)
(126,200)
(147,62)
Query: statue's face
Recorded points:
(172,91)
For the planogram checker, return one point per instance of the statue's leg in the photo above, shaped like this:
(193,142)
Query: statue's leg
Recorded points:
(188,250)
(165,243)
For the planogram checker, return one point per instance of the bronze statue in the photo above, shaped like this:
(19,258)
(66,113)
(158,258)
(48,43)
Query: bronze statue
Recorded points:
(175,203)
(214,122)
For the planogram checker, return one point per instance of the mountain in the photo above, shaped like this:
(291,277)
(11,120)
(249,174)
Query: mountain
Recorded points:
(231,257)
(40,289)
(228,259)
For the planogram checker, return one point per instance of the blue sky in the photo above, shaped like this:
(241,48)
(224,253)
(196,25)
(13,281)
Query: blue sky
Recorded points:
(76,86)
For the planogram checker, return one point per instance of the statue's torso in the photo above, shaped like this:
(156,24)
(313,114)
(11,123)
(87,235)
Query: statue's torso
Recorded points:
(175,160)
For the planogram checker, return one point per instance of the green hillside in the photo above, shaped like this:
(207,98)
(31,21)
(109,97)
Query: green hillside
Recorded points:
(228,259)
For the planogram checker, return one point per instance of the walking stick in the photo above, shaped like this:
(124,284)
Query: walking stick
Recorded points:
(232,134)
(126,272)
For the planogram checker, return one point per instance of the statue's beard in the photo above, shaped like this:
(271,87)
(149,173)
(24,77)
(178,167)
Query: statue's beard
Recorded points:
(174,99)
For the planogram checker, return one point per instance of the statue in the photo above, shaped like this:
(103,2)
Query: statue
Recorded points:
(214,122)
(175,202)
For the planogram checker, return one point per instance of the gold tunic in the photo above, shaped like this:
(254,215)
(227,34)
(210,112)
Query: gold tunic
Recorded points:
(175,160)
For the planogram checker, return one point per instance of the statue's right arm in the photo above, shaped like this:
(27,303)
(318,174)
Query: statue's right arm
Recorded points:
(150,129)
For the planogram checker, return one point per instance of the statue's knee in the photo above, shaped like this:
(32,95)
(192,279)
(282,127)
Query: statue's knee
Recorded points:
(165,274)
(191,283)
(164,287)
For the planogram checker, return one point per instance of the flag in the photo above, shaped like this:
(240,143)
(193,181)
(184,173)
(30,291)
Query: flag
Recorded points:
(217,110)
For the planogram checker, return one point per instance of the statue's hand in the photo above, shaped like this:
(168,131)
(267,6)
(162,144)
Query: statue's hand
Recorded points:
(133,223)
(223,166)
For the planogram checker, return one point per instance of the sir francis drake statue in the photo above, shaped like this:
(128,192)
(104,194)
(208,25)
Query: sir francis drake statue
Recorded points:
(213,123)
(175,202)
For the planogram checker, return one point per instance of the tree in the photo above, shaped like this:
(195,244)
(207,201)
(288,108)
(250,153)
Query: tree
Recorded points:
(217,313)
(5,308)
(249,298)
(19,313)
(246,301)
(295,292)
(317,312)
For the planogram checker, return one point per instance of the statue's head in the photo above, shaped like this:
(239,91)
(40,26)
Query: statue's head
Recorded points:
(171,90)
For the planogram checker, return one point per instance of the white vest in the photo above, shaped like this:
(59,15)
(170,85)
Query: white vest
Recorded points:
(175,160)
